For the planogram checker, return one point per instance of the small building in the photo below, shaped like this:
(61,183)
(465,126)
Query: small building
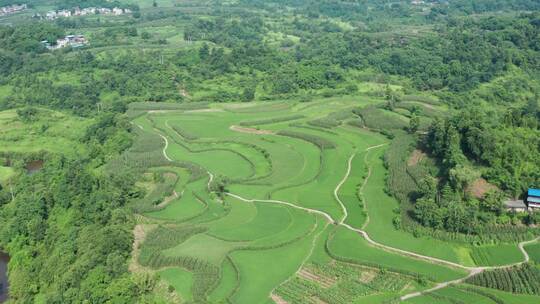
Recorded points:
(64,13)
(515,205)
(533,199)
(51,15)
(117,11)
(104,10)
(74,41)
(12,9)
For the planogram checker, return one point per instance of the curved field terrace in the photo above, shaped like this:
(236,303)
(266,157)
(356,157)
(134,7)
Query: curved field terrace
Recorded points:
(265,204)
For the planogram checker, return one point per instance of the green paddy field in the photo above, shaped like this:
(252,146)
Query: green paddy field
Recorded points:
(268,202)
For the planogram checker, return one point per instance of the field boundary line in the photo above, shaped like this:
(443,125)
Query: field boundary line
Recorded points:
(361,190)
(472,270)
(336,190)
(305,260)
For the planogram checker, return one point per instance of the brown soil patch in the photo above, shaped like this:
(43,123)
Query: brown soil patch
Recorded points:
(168,199)
(416,157)
(169,175)
(407,287)
(184,93)
(34,166)
(277,299)
(325,282)
(139,233)
(367,276)
(480,187)
(251,130)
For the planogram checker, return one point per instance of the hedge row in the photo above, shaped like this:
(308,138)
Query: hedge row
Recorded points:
(316,140)
(271,120)
(184,133)
(332,120)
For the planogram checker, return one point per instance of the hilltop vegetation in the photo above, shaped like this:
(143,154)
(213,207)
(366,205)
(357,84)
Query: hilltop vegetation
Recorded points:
(255,151)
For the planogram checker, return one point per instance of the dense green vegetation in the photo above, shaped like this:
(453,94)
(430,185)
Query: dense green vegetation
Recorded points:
(522,279)
(253,151)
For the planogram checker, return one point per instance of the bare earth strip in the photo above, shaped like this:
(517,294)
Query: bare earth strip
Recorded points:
(324,281)
(139,234)
(415,158)
(278,300)
(367,276)
(250,130)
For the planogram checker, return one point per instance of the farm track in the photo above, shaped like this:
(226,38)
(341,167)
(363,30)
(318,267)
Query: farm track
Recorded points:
(472,270)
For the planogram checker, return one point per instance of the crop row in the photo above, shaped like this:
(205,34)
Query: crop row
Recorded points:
(332,120)
(376,118)
(182,143)
(380,279)
(269,107)
(271,120)
(519,279)
(155,106)
(184,133)
(320,142)
(347,288)
(205,274)
(312,127)
(420,98)
(373,265)
(488,295)
(162,238)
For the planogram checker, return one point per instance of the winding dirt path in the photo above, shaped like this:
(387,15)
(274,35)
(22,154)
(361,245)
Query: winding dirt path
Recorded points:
(336,190)
(165,148)
(472,270)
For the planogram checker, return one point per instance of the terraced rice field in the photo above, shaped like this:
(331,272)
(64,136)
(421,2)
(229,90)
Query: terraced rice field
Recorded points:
(271,205)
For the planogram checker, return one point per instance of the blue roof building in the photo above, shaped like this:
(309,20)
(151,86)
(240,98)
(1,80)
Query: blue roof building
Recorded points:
(533,198)
(534,192)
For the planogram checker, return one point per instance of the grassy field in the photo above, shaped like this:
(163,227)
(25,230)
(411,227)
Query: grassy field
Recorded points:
(534,252)
(181,280)
(5,173)
(297,170)
(48,130)
(465,293)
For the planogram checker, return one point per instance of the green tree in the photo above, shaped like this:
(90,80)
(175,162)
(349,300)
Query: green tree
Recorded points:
(249,93)
(493,202)
(414,123)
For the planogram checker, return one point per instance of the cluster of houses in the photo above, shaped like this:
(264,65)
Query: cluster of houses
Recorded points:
(51,15)
(12,9)
(530,203)
(74,41)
